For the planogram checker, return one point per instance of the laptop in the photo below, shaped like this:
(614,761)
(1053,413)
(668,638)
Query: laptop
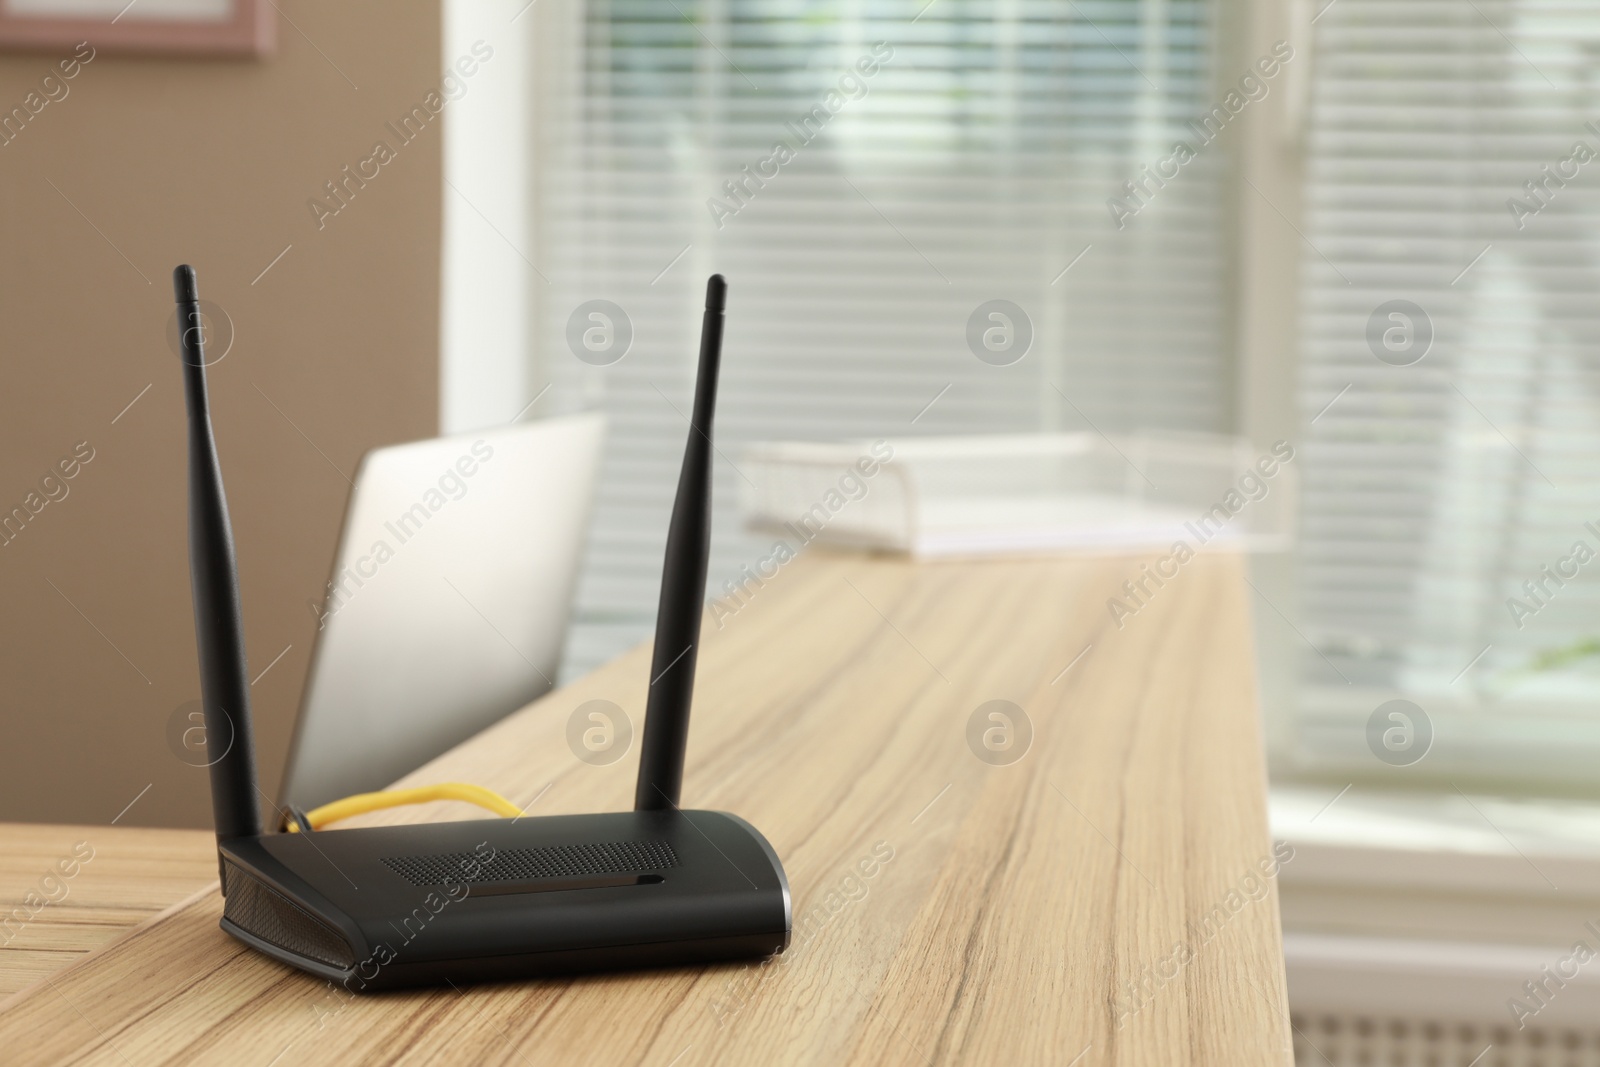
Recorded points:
(447,609)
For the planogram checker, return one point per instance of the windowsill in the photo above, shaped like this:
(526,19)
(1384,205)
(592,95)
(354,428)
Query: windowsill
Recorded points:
(1393,978)
(1441,840)
(1436,905)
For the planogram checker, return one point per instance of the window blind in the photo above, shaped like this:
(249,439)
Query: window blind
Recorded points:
(935,157)
(1445,168)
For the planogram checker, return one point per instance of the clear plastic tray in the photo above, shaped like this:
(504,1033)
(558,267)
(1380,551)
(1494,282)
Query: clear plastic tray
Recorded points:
(964,496)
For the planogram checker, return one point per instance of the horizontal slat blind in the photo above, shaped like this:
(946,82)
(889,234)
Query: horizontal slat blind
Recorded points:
(975,164)
(1433,491)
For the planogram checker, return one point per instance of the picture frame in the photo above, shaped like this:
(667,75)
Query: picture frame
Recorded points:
(211,28)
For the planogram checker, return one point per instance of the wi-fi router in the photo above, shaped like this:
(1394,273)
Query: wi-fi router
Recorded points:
(379,907)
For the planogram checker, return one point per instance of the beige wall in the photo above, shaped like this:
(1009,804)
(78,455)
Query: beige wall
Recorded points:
(210,163)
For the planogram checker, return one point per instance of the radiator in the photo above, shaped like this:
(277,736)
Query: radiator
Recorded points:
(1323,1039)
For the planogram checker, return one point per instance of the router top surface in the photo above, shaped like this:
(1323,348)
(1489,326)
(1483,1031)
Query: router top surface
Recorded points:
(406,902)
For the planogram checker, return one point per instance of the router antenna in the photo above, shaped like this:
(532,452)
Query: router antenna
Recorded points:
(683,584)
(214,579)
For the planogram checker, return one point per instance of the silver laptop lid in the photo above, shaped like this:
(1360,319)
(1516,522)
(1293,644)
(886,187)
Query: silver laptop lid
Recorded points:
(449,601)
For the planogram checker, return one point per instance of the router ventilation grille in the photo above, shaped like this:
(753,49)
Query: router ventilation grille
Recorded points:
(1341,1040)
(527,864)
(258,909)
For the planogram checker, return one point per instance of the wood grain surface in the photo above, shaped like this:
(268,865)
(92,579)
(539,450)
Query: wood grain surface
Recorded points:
(1100,900)
(50,917)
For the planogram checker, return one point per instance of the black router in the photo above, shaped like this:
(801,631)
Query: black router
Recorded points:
(381,907)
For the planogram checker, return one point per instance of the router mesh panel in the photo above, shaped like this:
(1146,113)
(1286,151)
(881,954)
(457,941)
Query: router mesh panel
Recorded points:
(261,911)
(522,864)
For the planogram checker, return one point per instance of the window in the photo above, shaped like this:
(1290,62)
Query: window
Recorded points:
(1451,165)
(935,156)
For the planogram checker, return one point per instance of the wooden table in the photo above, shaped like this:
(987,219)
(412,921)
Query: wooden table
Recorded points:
(49,919)
(1011,907)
